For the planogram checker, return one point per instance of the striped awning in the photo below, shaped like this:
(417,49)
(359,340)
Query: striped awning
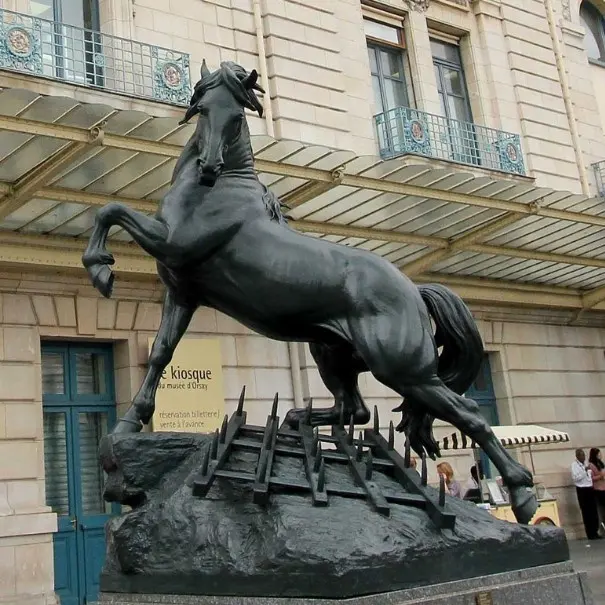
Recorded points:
(509,436)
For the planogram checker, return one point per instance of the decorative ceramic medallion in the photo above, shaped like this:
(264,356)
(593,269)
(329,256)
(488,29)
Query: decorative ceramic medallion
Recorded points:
(19,41)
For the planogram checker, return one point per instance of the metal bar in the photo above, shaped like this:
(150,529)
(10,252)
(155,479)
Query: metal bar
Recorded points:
(360,232)
(346,492)
(404,130)
(265,460)
(25,189)
(359,472)
(318,496)
(428,260)
(406,478)
(204,480)
(593,297)
(295,452)
(83,57)
(15,124)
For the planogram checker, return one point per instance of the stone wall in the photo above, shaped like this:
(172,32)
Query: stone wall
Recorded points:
(319,80)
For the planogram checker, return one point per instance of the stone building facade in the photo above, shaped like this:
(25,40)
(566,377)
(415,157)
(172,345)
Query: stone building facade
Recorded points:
(533,68)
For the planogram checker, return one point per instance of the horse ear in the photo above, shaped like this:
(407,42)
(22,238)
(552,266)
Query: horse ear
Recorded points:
(249,81)
(204,71)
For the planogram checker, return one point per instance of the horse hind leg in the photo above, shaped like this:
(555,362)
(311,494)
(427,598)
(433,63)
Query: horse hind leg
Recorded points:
(464,414)
(339,369)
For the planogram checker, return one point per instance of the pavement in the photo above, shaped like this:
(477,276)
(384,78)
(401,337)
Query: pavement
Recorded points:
(589,556)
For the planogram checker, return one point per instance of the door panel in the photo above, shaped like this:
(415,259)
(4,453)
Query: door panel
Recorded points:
(94,512)
(58,470)
(78,411)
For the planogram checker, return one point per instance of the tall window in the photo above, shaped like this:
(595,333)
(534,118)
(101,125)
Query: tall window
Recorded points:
(456,135)
(79,13)
(69,52)
(450,81)
(386,51)
(594,31)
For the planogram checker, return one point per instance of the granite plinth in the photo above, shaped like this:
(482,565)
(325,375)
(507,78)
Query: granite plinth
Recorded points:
(555,584)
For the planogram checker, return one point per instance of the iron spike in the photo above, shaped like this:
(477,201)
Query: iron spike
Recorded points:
(360,447)
(441,490)
(424,470)
(315,442)
(391,436)
(407,458)
(262,469)
(206,462)
(369,465)
(351,434)
(214,446)
(321,478)
(318,459)
(308,412)
(274,408)
(376,420)
(240,403)
(223,434)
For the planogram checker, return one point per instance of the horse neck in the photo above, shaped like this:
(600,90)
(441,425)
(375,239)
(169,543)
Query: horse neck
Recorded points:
(239,159)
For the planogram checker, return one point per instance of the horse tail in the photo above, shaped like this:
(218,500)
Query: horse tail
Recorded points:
(458,364)
(457,333)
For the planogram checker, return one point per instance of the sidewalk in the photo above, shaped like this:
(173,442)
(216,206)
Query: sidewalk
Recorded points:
(589,556)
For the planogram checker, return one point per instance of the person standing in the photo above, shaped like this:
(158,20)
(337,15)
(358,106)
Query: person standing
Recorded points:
(581,476)
(596,465)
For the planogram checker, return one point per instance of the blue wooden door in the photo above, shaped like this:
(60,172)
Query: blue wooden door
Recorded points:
(79,409)
(482,391)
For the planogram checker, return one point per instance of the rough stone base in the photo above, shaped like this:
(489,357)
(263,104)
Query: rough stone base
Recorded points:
(556,584)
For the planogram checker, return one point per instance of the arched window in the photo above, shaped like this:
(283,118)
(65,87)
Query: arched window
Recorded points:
(594,27)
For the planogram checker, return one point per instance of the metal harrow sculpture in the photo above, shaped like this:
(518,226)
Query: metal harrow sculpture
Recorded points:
(366,456)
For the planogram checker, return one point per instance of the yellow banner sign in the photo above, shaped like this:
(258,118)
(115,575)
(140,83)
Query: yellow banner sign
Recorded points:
(190,397)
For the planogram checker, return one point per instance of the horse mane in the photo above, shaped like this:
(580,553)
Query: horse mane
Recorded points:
(273,206)
(233,77)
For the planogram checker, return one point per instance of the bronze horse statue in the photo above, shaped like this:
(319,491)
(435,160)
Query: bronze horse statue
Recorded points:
(221,241)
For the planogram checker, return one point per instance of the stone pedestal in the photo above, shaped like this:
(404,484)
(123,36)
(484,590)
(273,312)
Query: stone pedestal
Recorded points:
(556,584)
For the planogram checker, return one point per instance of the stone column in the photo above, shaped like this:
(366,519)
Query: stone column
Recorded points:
(26,523)
(421,62)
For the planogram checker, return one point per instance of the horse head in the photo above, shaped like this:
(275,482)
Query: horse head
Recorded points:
(219,100)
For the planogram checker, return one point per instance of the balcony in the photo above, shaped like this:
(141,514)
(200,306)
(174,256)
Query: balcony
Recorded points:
(48,49)
(403,131)
(599,173)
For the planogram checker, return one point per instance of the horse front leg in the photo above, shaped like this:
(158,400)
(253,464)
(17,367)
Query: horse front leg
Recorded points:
(175,320)
(148,232)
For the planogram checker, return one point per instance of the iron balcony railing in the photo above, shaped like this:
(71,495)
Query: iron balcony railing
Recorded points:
(599,174)
(404,130)
(91,58)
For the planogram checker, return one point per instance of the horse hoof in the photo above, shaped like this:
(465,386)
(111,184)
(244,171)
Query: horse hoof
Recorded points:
(102,279)
(524,504)
(98,258)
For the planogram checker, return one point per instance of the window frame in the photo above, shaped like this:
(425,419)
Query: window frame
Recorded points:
(399,49)
(596,17)
(439,64)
